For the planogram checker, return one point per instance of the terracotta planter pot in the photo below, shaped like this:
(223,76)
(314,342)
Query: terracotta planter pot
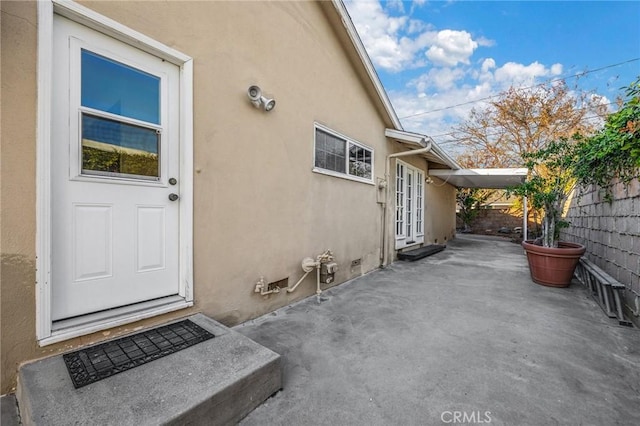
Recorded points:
(553,267)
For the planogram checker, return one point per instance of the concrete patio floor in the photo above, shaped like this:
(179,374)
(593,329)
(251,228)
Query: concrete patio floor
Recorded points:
(462,336)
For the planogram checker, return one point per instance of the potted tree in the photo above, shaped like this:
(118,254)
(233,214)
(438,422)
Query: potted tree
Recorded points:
(548,187)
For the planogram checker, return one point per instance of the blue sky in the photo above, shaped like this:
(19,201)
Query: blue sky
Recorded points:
(432,55)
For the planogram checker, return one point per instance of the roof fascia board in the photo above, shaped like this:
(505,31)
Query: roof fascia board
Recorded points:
(401,135)
(510,171)
(482,178)
(421,140)
(481,172)
(366,61)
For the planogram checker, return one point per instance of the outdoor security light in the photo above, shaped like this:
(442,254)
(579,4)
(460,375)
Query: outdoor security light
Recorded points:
(260,101)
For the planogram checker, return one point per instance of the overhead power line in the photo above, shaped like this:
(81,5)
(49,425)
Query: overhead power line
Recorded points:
(577,109)
(497,133)
(577,75)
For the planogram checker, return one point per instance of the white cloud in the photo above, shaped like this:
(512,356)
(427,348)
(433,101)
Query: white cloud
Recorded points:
(395,4)
(520,74)
(556,69)
(417,26)
(396,43)
(417,3)
(438,123)
(379,33)
(452,47)
(451,82)
(436,101)
(485,72)
(488,64)
(439,79)
(599,99)
(485,42)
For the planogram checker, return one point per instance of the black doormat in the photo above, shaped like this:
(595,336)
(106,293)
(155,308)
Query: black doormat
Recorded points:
(98,362)
(417,254)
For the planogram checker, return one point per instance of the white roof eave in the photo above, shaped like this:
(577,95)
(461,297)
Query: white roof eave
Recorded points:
(482,178)
(436,153)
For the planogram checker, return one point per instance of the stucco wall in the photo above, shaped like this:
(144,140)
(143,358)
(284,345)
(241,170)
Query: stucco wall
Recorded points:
(440,207)
(18,198)
(611,233)
(258,207)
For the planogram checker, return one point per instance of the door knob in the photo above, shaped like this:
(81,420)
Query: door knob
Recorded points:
(173,197)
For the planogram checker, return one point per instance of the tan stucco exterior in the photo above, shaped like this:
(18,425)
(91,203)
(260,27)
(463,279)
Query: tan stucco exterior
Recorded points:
(440,199)
(18,180)
(259,209)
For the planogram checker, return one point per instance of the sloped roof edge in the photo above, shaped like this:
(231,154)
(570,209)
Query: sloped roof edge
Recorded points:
(401,135)
(445,157)
(366,61)
(436,154)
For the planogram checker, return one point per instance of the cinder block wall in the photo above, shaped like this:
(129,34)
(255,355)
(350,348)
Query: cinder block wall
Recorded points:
(611,233)
(489,221)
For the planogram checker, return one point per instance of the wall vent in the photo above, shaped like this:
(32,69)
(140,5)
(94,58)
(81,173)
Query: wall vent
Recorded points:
(283,283)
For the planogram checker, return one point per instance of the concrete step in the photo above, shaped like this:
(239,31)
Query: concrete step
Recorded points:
(9,416)
(216,382)
(421,252)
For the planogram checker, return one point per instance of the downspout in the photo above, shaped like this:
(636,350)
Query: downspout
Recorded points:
(385,207)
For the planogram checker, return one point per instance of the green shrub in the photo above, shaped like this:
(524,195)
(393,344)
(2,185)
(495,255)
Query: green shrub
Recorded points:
(117,161)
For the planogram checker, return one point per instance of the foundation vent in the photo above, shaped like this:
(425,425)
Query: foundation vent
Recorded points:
(283,283)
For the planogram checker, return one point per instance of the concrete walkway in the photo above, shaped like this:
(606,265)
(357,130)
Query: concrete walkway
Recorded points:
(463,336)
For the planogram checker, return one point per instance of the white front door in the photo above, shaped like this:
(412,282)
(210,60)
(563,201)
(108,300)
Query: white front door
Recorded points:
(115,173)
(409,218)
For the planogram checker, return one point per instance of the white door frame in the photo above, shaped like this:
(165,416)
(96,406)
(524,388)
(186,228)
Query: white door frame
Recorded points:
(45,332)
(417,211)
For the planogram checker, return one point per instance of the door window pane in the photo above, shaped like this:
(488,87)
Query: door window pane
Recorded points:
(409,204)
(399,199)
(110,147)
(419,202)
(116,88)
(409,208)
